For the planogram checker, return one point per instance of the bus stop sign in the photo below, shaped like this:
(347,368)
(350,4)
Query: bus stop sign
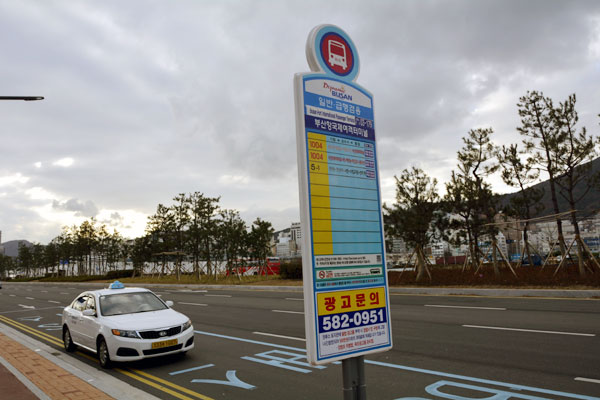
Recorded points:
(343,253)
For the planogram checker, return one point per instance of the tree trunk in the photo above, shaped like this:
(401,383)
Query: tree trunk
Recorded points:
(420,264)
(494,258)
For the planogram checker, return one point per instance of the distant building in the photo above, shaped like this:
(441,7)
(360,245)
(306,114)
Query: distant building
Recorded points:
(288,241)
(1,247)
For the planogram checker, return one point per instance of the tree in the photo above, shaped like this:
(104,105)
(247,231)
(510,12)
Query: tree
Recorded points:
(574,153)
(411,217)
(520,174)
(541,137)
(24,259)
(181,219)
(140,252)
(261,234)
(470,197)
(202,227)
(233,236)
(85,242)
(161,227)
(6,265)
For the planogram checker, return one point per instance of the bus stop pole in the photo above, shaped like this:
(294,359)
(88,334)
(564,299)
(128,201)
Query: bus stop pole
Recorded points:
(353,374)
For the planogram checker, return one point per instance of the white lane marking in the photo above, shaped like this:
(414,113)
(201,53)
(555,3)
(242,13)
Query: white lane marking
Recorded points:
(44,291)
(29,298)
(63,293)
(510,386)
(183,371)
(26,306)
(53,301)
(279,336)
(294,298)
(187,291)
(288,312)
(528,330)
(193,304)
(474,308)
(587,380)
(12,295)
(218,295)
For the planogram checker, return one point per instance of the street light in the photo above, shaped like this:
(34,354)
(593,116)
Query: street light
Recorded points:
(26,98)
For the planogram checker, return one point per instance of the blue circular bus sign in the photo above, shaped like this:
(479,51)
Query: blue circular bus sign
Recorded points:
(329,49)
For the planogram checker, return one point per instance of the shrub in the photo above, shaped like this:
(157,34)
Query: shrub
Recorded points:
(127,273)
(291,270)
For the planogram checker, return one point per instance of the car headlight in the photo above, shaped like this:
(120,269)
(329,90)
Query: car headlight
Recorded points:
(129,334)
(187,325)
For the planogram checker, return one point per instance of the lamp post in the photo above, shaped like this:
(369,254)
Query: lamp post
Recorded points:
(25,98)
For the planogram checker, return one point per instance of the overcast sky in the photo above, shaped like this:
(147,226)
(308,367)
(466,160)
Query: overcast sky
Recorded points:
(148,99)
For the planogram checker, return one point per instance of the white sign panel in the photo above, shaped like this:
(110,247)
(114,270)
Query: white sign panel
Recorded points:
(345,283)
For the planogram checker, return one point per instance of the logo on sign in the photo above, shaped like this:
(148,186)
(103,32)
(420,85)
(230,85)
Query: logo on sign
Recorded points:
(337,54)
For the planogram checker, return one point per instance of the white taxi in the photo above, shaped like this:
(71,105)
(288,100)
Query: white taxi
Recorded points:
(125,324)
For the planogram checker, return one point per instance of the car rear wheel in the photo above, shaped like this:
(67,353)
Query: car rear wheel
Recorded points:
(67,341)
(103,355)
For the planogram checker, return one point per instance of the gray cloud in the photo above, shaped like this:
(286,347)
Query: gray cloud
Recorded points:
(154,99)
(81,209)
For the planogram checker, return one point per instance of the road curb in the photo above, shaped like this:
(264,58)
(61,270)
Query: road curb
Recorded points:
(102,381)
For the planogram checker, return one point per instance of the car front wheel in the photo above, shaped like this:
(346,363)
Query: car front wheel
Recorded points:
(103,355)
(67,341)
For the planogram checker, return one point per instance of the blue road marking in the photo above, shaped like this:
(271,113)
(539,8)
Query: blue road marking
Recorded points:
(421,370)
(485,381)
(183,371)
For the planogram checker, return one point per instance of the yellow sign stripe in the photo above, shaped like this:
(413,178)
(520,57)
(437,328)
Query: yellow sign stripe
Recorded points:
(350,300)
(165,382)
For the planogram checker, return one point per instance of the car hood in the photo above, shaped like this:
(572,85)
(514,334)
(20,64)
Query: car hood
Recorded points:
(144,321)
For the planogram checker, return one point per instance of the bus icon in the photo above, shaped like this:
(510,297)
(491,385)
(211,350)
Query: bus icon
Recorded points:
(337,54)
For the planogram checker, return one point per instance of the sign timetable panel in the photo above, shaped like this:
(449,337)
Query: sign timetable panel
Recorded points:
(345,285)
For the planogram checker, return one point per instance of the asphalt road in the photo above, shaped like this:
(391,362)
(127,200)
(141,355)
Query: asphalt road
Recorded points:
(249,345)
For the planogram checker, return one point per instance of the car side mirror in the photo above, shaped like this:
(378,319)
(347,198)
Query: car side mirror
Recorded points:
(89,313)
(169,303)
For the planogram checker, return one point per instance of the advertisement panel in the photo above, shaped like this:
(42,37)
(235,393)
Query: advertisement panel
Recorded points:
(345,284)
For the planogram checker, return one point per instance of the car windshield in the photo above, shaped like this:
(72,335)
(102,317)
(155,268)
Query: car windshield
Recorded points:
(129,303)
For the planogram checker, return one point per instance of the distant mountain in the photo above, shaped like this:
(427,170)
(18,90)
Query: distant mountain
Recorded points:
(11,248)
(589,204)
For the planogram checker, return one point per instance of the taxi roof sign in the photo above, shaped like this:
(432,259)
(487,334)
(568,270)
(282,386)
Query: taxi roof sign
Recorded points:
(116,285)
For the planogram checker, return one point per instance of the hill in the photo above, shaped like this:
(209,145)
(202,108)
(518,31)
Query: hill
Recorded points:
(588,205)
(11,248)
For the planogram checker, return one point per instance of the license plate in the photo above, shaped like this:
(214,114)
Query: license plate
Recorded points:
(164,343)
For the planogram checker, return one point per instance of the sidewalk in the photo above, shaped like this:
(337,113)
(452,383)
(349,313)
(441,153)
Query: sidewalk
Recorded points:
(31,370)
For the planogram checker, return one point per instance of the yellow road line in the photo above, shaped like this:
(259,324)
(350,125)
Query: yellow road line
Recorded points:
(155,385)
(57,342)
(165,382)
(28,327)
(41,335)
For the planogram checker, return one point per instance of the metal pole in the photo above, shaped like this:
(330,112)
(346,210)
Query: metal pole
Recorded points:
(353,373)
(349,379)
(362,385)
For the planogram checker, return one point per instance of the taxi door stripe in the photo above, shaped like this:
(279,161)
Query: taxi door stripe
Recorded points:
(173,385)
